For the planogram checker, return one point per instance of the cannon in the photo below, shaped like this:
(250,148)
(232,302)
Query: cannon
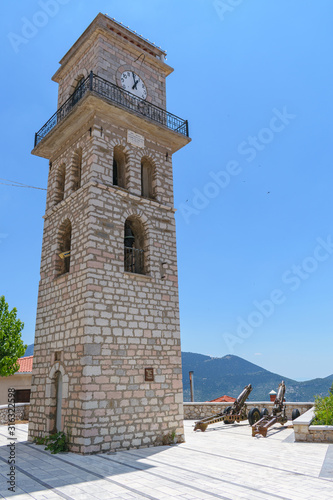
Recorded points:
(229,415)
(278,414)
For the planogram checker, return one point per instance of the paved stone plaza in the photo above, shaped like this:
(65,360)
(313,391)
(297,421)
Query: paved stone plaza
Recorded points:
(224,462)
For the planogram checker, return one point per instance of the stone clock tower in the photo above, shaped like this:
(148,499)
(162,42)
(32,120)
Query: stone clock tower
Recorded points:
(107,361)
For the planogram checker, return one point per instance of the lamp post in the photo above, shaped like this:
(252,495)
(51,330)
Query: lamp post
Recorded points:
(191,386)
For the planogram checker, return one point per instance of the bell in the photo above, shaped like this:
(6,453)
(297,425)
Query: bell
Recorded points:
(129,237)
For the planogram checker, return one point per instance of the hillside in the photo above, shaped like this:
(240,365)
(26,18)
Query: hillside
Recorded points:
(29,350)
(214,377)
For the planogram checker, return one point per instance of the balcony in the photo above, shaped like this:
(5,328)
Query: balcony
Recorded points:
(114,94)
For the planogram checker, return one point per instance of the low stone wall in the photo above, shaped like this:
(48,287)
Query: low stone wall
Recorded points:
(21,412)
(192,411)
(305,432)
(197,411)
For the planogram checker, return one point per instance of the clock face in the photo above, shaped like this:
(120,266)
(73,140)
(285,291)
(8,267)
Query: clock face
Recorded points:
(133,83)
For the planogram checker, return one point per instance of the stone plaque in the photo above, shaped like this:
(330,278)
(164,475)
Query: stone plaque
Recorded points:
(149,374)
(135,139)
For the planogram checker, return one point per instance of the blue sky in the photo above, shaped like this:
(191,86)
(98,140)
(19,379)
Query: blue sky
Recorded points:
(253,189)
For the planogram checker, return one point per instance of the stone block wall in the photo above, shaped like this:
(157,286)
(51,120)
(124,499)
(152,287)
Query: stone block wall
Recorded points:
(98,325)
(305,432)
(21,412)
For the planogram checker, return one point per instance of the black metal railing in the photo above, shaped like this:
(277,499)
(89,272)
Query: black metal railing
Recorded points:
(113,93)
(134,260)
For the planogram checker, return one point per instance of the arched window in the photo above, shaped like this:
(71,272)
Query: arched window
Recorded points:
(134,241)
(79,90)
(56,392)
(77,169)
(58,388)
(64,255)
(119,167)
(147,174)
(60,183)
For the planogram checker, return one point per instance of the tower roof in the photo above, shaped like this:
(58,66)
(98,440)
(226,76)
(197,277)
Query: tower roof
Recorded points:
(116,30)
(127,28)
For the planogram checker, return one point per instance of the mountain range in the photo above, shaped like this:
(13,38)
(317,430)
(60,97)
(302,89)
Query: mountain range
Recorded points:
(215,377)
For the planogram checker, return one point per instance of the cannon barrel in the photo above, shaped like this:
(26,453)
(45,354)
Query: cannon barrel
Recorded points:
(244,395)
(236,412)
(280,395)
(239,403)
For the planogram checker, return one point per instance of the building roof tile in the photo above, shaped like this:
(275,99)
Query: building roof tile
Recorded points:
(25,364)
(223,399)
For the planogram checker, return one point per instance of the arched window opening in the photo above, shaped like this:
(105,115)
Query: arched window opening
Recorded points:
(79,81)
(79,89)
(119,167)
(134,256)
(58,387)
(77,169)
(65,248)
(60,183)
(147,171)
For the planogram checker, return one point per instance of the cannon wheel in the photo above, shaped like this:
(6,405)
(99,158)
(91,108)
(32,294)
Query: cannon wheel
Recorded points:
(263,412)
(227,410)
(253,416)
(295,414)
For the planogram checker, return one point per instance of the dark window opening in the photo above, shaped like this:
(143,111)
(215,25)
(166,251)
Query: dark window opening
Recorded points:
(119,167)
(115,173)
(134,261)
(60,184)
(65,249)
(22,396)
(77,168)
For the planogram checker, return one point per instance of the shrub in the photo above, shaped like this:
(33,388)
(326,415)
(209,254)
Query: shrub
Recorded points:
(323,410)
(56,443)
(169,438)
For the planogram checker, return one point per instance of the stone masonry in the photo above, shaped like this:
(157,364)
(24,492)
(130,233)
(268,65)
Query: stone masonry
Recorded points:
(306,432)
(21,413)
(97,325)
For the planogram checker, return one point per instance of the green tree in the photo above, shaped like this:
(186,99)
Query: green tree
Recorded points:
(11,344)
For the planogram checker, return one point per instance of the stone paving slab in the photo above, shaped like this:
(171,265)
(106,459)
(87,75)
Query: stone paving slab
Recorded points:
(225,462)
(327,468)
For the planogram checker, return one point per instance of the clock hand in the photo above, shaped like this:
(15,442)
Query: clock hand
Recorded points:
(135,82)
